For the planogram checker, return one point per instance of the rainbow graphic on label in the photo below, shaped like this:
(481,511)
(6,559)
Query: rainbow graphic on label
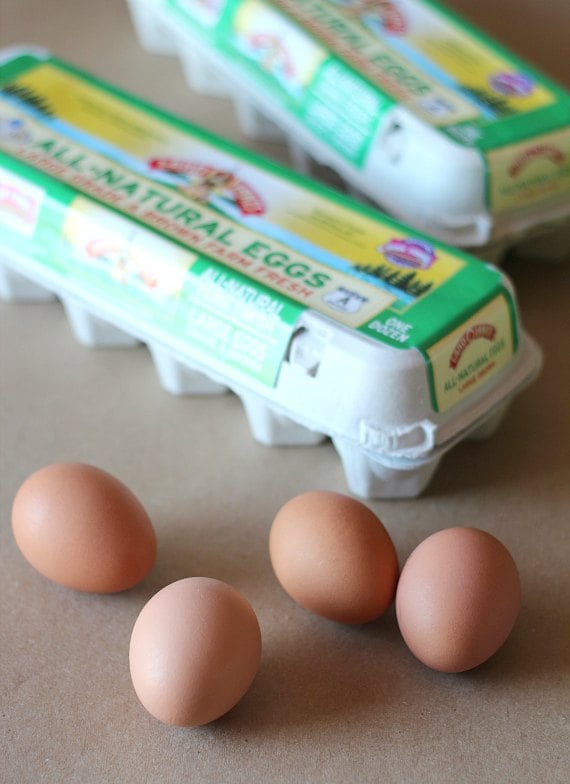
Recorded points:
(204,183)
(407,252)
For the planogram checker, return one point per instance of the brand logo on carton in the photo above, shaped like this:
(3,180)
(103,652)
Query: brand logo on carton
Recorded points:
(14,130)
(393,20)
(13,200)
(378,13)
(407,252)
(126,262)
(272,54)
(547,151)
(205,183)
(20,203)
(513,85)
(477,331)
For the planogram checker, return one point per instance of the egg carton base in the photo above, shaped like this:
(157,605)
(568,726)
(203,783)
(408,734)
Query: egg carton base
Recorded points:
(271,428)
(369,476)
(179,379)
(489,426)
(93,331)
(17,288)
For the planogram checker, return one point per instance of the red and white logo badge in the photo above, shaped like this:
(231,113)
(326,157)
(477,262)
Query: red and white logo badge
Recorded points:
(545,151)
(393,20)
(204,183)
(476,332)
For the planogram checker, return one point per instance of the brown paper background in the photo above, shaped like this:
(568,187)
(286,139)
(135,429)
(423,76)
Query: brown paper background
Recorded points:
(330,704)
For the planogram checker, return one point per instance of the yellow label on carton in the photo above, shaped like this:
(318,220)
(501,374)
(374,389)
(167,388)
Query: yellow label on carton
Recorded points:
(463,360)
(530,171)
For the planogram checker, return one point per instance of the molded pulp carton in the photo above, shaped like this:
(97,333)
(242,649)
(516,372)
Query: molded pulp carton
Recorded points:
(324,316)
(414,108)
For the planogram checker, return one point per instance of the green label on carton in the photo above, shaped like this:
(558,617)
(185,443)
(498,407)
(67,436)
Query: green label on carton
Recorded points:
(217,249)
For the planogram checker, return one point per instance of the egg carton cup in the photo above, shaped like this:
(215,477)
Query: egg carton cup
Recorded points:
(395,361)
(405,167)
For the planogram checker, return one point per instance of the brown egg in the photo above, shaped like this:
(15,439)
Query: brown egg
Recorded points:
(195,650)
(334,557)
(458,598)
(82,528)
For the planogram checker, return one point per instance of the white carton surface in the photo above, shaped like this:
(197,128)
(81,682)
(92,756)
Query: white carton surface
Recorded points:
(438,151)
(327,319)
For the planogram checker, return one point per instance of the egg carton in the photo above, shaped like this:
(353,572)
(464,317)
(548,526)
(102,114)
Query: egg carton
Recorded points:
(395,361)
(414,171)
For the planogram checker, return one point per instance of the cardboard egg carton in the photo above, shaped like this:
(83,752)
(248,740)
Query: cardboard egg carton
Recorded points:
(412,107)
(326,318)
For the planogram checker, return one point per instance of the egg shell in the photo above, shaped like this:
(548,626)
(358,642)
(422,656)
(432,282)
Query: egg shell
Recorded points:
(194,652)
(458,598)
(82,528)
(334,557)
